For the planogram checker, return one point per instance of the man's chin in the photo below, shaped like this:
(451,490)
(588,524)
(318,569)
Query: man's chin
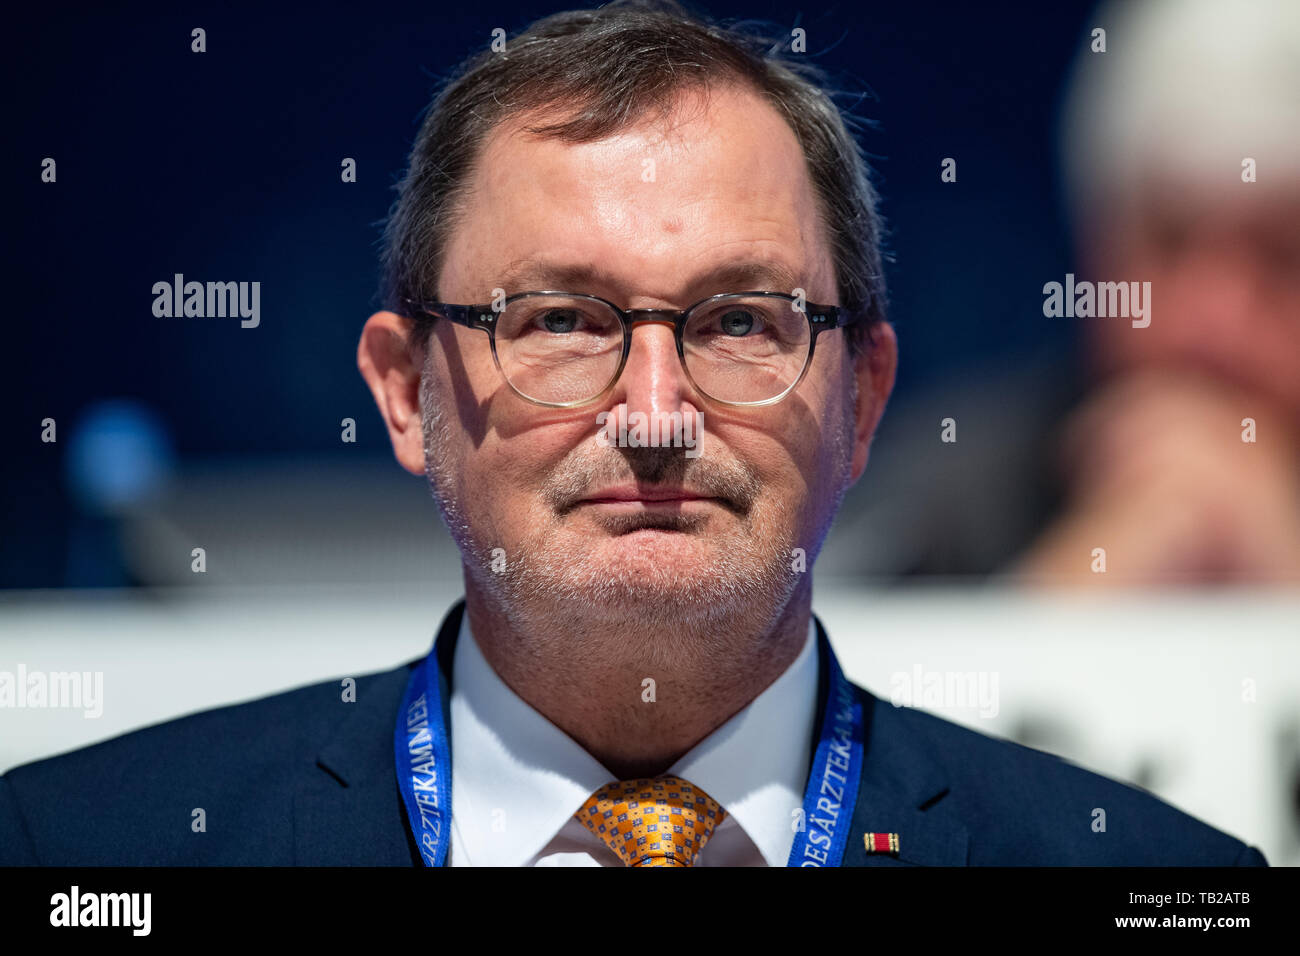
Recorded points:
(658,573)
(650,558)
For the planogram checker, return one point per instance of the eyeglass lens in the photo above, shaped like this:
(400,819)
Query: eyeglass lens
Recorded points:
(562,350)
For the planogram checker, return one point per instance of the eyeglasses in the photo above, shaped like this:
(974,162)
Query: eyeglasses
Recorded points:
(564,349)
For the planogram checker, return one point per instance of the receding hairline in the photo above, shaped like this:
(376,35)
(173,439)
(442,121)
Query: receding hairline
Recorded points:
(588,74)
(690,101)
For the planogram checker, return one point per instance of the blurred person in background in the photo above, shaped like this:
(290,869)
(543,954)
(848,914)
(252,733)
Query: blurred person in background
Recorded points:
(1182,154)
(1134,443)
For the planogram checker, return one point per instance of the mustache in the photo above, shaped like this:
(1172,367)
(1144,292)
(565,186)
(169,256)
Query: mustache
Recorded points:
(731,481)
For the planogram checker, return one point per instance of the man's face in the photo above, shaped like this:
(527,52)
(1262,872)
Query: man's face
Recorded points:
(652,215)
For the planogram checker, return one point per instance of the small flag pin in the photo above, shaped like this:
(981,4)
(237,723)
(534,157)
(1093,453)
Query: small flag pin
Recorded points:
(881,843)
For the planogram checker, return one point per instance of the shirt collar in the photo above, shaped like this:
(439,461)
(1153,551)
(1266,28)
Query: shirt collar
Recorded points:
(518,778)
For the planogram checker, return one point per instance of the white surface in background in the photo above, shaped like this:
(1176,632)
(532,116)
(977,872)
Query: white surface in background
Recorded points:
(1127,680)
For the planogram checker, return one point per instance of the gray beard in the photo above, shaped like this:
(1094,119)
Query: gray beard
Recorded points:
(643,614)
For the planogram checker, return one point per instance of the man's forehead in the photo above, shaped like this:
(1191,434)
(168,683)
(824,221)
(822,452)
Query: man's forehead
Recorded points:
(719,185)
(755,273)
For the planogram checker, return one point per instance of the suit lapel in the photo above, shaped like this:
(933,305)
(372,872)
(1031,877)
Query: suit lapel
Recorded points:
(902,789)
(350,812)
(360,825)
(926,836)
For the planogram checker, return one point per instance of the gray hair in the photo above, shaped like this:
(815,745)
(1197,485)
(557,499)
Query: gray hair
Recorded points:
(1193,88)
(598,72)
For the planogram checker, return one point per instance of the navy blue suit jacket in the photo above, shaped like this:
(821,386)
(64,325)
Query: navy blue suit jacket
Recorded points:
(304,778)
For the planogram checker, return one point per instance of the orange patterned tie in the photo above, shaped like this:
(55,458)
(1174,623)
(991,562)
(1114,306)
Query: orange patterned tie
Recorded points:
(663,821)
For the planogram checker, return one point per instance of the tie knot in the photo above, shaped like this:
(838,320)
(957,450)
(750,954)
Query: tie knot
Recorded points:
(660,821)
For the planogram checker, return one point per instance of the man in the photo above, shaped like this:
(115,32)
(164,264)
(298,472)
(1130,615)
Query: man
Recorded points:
(625,221)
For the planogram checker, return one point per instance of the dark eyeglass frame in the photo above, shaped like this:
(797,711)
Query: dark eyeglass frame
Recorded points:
(821,318)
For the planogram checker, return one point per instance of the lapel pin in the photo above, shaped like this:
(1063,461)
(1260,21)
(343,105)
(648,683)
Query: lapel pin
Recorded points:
(881,843)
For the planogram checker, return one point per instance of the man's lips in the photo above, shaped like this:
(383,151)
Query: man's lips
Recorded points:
(632,495)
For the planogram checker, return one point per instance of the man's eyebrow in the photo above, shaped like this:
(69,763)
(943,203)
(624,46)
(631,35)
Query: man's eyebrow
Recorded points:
(757,275)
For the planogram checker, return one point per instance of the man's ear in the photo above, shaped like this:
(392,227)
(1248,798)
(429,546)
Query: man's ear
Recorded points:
(873,368)
(392,370)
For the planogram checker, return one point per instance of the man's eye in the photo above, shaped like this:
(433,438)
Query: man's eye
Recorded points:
(559,321)
(738,322)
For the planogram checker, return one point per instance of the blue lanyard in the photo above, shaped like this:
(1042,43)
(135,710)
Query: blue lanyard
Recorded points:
(832,789)
(423,760)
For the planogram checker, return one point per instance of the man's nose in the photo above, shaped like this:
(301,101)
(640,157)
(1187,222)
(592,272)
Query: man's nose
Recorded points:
(653,381)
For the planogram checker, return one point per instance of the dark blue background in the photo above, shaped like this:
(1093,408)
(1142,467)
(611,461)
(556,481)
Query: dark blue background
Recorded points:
(225,166)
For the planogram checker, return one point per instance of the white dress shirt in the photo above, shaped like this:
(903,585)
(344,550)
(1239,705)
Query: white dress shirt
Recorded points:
(517,779)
